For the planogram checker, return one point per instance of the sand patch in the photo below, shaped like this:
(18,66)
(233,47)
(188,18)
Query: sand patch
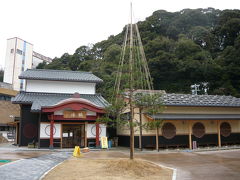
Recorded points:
(108,169)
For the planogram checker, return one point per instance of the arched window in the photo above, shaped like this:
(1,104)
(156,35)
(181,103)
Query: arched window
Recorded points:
(198,130)
(225,129)
(168,130)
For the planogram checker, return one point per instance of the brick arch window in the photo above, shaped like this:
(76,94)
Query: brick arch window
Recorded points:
(225,129)
(198,130)
(168,130)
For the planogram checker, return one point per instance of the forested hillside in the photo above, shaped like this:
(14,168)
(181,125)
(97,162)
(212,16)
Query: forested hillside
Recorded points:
(182,48)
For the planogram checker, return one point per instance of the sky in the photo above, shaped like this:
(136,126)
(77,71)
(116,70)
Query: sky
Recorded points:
(55,27)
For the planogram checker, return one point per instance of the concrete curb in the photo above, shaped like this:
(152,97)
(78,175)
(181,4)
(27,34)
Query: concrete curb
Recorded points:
(174,175)
(7,164)
(51,169)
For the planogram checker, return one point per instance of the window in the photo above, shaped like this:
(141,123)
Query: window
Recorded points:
(198,130)
(12,51)
(225,129)
(168,130)
(19,51)
(4,97)
(21,84)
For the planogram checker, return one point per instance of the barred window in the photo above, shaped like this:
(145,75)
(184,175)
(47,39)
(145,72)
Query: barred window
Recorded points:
(168,130)
(198,130)
(225,129)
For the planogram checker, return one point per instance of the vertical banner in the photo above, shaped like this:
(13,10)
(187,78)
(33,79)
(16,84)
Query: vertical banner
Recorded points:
(104,142)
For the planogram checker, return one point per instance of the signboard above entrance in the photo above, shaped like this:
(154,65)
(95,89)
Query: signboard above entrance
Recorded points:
(74,114)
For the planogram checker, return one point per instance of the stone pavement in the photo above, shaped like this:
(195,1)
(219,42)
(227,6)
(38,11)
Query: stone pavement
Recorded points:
(32,168)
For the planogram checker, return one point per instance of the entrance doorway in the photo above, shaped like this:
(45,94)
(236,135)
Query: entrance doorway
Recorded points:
(73,135)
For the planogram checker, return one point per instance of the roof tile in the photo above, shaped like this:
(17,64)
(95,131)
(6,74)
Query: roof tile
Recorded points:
(39,100)
(59,75)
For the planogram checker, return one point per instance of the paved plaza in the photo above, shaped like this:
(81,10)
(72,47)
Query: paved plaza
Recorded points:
(222,164)
(32,168)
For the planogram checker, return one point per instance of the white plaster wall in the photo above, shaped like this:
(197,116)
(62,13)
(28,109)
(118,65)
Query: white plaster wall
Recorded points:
(89,113)
(9,61)
(36,61)
(13,61)
(45,130)
(60,87)
(91,130)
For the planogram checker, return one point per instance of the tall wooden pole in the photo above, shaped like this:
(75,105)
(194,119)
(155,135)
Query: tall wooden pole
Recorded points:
(85,136)
(51,131)
(219,134)
(140,129)
(190,134)
(157,134)
(97,133)
(39,129)
(131,90)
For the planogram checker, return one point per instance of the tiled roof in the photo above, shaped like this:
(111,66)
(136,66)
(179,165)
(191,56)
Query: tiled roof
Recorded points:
(59,75)
(196,116)
(200,100)
(39,100)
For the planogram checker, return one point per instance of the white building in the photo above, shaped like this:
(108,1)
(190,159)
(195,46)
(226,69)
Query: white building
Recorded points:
(60,108)
(19,57)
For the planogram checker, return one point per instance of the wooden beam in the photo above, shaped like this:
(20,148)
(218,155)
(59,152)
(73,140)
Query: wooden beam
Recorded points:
(39,129)
(190,134)
(157,144)
(61,134)
(97,135)
(140,132)
(51,131)
(219,133)
(85,137)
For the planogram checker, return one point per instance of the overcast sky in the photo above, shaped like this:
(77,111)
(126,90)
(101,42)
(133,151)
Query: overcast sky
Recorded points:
(59,26)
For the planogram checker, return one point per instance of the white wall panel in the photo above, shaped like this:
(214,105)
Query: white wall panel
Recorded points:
(45,130)
(89,113)
(91,130)
(60,87)
(14,61)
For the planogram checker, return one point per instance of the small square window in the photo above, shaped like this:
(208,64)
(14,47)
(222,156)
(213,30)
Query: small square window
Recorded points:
(12,51)
(19,51)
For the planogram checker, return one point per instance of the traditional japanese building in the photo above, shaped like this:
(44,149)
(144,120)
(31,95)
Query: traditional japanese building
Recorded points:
(59,108)
(9,113)
(208,120)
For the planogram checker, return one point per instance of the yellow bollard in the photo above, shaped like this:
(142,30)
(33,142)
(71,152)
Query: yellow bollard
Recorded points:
(77,152)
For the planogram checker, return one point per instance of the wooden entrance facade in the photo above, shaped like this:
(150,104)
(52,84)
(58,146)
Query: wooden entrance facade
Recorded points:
(73,115)
(73,135)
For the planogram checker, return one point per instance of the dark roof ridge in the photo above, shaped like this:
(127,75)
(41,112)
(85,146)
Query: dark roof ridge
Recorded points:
(48,93)
(200,95)
(59,70)
(60,75)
